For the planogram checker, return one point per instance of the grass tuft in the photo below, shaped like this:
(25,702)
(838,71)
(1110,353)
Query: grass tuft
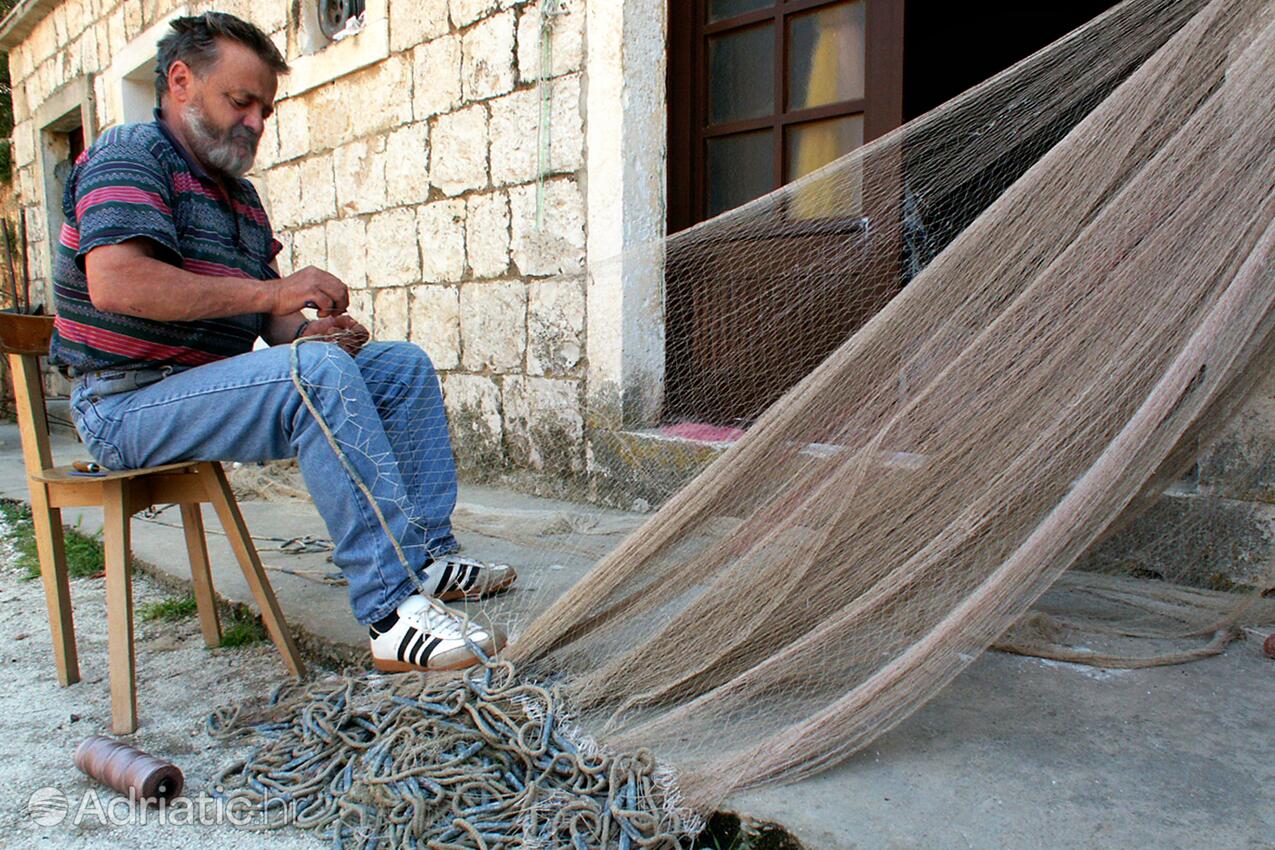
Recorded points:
(241,628)
(84,555)
(169,610)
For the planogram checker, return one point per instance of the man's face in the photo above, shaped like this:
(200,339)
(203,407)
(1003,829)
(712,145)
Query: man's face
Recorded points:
(225,111)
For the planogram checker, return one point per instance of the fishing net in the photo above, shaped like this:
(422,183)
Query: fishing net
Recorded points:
(1036,300)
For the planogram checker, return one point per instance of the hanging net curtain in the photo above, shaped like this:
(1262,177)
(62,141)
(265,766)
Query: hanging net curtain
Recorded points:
(1042,296)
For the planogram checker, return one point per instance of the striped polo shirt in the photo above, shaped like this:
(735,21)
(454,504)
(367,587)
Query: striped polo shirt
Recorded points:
(136,181)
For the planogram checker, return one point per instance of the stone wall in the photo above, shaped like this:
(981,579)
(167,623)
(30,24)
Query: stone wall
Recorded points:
(1216,527)
(417,176)
(427,180)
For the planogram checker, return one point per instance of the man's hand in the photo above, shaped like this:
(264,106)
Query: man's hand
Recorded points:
(343,330)
(313,288)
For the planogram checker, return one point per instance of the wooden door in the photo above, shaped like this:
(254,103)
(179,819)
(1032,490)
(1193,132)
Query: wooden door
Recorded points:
(763,92)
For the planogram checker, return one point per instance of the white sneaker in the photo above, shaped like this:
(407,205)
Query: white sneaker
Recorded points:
(464,578)
(429,636)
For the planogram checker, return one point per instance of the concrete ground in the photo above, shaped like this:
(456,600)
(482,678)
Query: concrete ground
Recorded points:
(1016,753)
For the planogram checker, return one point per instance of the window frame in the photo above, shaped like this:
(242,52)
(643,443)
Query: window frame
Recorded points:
(689,132)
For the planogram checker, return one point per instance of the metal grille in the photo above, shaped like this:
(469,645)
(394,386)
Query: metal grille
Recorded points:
(335,14)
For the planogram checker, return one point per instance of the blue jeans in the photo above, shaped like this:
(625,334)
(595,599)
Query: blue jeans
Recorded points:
(384,408)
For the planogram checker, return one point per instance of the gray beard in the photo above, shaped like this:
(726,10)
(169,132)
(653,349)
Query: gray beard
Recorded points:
(222,152)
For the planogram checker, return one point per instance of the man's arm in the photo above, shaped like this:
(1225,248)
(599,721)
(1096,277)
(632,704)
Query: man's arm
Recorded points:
(127,278)
(282,329)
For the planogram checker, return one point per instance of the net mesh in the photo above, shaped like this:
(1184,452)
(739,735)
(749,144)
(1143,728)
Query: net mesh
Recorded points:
(1034,303)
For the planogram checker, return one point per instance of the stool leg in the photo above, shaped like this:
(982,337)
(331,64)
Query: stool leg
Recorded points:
(237,531)
(119,608)
(201,574)
(57,588)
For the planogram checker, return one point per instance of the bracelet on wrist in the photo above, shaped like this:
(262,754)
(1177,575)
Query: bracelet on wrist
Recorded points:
(305,323)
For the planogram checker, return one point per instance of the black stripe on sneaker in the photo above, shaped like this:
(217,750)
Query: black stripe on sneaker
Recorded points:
(422,658)
(407,637)
(444,581)
(384,624)
(468,583)
(410,658)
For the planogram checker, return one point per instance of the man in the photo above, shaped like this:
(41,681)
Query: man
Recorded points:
(164,279)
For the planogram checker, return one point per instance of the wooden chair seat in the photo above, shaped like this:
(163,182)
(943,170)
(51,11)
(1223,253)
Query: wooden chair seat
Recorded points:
(69,474)
(121,494)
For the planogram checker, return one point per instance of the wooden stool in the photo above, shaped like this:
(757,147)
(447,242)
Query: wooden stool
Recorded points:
(121,494)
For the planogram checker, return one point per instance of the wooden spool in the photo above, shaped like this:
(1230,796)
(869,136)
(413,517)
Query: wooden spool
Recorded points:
(133,773)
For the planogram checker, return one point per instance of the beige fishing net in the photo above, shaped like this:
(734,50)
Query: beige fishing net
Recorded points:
(1050,369)
(1039,298)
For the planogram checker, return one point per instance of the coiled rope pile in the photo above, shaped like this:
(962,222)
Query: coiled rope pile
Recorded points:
(483,760)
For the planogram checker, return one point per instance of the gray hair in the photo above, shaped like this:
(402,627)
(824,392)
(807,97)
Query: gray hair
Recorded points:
(193,40)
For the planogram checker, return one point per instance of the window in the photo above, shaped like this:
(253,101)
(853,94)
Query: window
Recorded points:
(337,18)
(763,92)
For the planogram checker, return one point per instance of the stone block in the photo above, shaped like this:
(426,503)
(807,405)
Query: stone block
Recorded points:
(360,176)
(75,17)
(268,149)
(436,77)
(132,18)
(1241,466)
(393,258)
(389,312)
(293,120)
(19,62)
(1193,539)
(26,183)
(88,59)
(283,190)
(516,132)
(364,103)
(60,34)
(435,313)
(414,21)
(613,454)
(116,32)
(487,58)
(555,326)
(458,161)
(284,258)
(347,251)
(1240,463)
(318,190)
(441,234)
(31,91)
(361,307)
(487,234)
(493,326)
(407,165)
(566,40)
(280,40)
(473,414)
(515,148)
(557,247)
(310,247)
(466,12)
(566,124)
(36,232)
(105,109)
(24,144)
(543,427)
(269,16)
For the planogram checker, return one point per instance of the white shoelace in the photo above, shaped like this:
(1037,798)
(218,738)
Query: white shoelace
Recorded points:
(439,621)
